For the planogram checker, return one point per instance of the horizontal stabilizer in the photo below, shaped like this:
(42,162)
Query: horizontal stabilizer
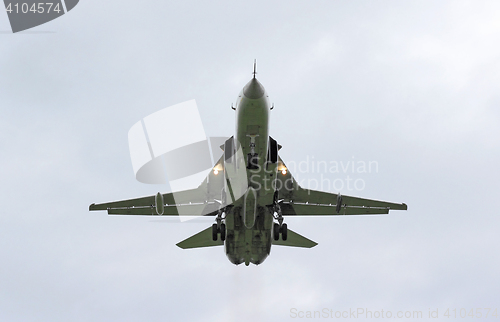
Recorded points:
(201,239)
(295,240)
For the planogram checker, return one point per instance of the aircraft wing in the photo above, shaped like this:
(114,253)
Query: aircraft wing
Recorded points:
(193,202)
(297,201)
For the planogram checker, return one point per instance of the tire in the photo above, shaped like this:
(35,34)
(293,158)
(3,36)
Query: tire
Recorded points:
(214,232)
(223,232)
(284,232)
(276,231)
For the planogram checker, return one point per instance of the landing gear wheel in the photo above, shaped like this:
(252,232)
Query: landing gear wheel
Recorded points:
(223,232)
(214,232)
(276,231)
(284,232)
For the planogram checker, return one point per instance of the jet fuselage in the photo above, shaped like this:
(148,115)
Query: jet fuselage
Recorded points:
(249,220)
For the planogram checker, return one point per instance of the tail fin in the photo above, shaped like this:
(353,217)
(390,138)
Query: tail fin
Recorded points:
(201,239)
(295,240)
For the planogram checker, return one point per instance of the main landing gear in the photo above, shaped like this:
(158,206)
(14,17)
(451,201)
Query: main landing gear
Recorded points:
(220,227)
(283,230)
(219,230)
(279,227)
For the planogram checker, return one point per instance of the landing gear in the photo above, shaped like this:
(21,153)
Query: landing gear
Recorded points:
(223,232)
(280,227)
(277,208)
(284,232)
(220,227)
(216,230)
(277,230)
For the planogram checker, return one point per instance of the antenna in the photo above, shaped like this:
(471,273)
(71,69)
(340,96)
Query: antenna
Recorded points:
(254,67)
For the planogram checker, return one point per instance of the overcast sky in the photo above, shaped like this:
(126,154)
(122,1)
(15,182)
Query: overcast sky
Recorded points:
(411,85)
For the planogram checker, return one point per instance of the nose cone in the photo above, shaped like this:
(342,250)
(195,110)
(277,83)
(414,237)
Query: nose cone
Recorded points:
(253,89)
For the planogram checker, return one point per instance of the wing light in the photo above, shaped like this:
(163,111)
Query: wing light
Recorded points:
(217,168)
(282,168)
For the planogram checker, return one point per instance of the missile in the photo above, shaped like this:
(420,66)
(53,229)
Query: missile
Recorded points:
(339,203)
(159,204)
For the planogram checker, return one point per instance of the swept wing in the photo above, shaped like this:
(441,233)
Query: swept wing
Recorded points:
(199,201)
(297,201)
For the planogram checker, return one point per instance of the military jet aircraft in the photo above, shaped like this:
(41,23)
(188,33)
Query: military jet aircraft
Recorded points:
(249,192)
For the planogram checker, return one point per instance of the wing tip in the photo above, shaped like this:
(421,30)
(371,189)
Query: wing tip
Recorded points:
(97,207)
